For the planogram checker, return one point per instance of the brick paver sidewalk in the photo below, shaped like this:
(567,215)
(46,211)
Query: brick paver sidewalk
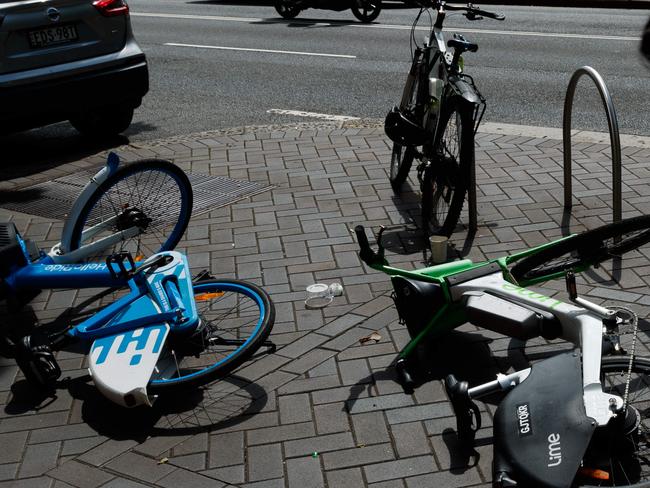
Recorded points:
(323,410)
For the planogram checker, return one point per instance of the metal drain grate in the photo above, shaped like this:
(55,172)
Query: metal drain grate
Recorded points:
(53,199)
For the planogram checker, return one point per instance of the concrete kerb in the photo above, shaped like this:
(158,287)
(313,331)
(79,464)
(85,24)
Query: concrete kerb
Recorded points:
(178,146)
(552,133)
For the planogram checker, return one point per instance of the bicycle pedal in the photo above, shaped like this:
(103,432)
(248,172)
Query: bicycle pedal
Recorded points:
(37,362)
(117,260)
(468,416)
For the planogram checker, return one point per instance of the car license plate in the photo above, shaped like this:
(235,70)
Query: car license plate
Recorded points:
(52,35)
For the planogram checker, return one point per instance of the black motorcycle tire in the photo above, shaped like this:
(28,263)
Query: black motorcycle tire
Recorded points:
(366,10)
(287,9)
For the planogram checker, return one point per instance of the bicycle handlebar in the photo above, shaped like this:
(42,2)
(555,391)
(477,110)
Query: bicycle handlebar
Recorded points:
(491,15)
(473,13)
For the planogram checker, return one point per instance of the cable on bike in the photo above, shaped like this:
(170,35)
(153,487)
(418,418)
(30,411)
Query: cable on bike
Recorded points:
(413,40)
(633,321)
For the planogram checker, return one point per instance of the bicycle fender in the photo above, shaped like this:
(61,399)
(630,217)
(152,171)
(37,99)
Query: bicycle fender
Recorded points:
(541,429)
(121,365)
(112,163)
(463,89)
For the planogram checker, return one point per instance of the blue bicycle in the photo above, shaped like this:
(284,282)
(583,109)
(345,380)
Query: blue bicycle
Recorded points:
(165,334)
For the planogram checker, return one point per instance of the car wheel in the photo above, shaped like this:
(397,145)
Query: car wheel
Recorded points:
(103,122)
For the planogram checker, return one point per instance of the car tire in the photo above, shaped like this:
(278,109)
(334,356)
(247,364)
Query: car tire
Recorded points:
(103,122)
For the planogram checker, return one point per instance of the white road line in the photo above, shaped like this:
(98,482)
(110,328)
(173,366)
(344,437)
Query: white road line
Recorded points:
(314,115)
(276,51)
(195,17)
(509,33)
(558,35)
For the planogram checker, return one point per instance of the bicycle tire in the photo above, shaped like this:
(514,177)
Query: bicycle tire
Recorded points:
(446,179)
(366,10)
(628,454)
(586,249)
(198,359)
(400,164)
(152,194)
(402,156)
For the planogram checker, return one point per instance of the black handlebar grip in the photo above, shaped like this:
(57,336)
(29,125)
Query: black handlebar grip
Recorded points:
(491,15)
(366,254)
(362,239)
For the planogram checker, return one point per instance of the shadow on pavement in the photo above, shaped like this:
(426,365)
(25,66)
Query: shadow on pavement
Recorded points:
(218,406)
(464,354)
(31,152)
(461,458)
(437,359)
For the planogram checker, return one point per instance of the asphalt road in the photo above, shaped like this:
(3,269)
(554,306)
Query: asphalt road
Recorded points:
(331,64)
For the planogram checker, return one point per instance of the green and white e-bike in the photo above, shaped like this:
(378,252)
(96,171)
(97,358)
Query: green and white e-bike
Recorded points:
(579,418)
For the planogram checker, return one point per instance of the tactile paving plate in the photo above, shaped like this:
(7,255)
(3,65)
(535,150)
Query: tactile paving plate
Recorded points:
(54,199)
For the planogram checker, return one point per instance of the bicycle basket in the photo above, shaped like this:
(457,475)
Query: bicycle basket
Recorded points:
(403,131)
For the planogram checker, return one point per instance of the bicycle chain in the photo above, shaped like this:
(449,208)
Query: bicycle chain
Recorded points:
(633,321)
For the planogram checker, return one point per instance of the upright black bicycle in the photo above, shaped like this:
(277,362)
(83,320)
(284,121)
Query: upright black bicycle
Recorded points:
(436,120)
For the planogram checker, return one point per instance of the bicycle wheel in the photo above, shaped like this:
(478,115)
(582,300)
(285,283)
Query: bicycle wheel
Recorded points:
(287,8)
(366,10)
(445,180)
(236,318)
(622,448)
(400,165)
(151,198)
(586,249)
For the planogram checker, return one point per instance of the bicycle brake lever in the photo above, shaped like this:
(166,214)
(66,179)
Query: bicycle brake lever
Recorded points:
(468,415)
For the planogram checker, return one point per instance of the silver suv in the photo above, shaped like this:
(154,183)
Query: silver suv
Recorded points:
(71,60)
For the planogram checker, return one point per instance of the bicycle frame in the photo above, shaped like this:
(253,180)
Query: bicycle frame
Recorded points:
(578,326)
(160,301)
(47,274)
(456,279)
(454,80)
(539,439)
(584,328)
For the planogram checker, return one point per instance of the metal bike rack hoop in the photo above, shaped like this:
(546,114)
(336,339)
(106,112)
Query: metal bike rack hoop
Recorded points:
(613,137)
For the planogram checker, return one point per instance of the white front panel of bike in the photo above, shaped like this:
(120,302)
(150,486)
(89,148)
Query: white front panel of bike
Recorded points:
(122,364)
(582,327)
